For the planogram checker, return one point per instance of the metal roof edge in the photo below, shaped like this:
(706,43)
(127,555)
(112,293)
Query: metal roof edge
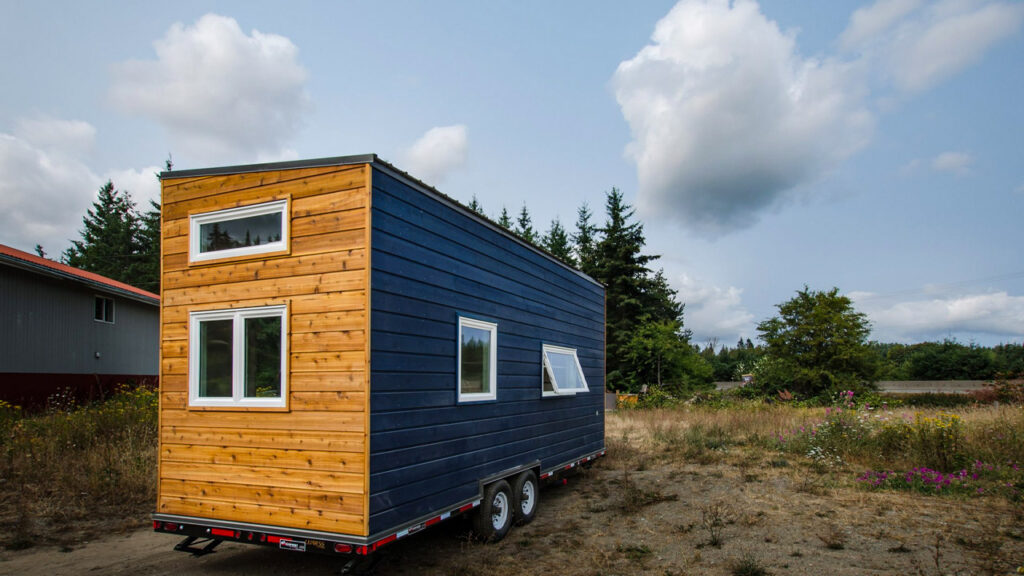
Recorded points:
(391,169)
(95,285)
(285,165)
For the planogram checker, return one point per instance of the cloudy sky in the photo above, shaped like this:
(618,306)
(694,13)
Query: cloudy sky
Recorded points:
(873,146)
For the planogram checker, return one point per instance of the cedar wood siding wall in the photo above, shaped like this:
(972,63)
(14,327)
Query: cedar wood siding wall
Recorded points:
(431,263)
(303,467)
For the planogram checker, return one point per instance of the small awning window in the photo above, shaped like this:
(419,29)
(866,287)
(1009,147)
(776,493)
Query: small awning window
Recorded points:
(562,374)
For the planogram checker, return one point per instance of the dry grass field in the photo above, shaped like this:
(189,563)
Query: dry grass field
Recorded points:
(748,489)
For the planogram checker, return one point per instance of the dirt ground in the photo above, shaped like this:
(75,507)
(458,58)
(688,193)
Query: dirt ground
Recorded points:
(658,518)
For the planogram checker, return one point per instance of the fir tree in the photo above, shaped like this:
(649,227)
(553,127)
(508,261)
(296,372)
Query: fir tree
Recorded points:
(585,239)
(110,237)
(505,221)
(149,250)
(634,296)
(556,241)
(475,206)
(118,242)
(524,226)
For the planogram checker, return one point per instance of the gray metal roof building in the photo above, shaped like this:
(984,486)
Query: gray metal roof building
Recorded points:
(68,328)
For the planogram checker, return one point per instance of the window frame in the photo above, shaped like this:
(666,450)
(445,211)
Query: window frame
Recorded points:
(105,319)
(545,368)
(238,317)
(492,393)
(197,221)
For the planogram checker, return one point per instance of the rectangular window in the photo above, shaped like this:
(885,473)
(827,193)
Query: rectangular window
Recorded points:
(239,231)
(237,357)
(104,310)
(478,360)
(561,373)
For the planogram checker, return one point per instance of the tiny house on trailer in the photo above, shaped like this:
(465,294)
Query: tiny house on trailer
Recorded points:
(349,356)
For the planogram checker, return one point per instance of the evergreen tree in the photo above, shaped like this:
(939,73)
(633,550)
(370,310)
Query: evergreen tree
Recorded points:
(585,240)
(505,221)
(475,206)
(633,296)
(110,237)
(556,241)
(524,226)
(118,242)
(149,250)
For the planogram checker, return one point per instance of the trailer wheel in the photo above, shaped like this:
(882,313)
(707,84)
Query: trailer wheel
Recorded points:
(494,517)
(525,494)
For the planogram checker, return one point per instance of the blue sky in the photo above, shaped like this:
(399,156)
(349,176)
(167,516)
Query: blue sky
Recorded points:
(872,146)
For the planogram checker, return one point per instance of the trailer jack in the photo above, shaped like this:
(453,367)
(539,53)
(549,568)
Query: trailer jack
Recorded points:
(361,566)
(192,545)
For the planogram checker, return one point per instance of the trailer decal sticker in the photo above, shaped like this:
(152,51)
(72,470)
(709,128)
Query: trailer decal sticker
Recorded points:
(294,545)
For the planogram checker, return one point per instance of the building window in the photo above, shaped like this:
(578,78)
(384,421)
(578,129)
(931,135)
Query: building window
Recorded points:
(104,310)
(238,357)
(561,373)
(478,360)
(239,231)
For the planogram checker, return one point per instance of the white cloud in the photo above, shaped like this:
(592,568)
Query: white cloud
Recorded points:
(713,312)
(46,188)
(67,136)
(956,36)
(43,195)
(869,22)
(222,95)
(727,118)
(921,48)
(953,162)
(143,185)
(994,313)
(437,153)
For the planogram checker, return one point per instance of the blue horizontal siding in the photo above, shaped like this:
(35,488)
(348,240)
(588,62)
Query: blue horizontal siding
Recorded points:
(431,264)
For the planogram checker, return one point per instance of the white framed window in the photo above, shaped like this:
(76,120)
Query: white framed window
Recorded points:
(238,357)
(103,310)
(239,231)
(561,373)
(477,360)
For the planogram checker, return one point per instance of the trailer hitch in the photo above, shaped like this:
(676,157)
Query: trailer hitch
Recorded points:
(192,545)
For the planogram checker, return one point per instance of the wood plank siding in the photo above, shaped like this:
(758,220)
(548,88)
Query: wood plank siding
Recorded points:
(431,264)
(303,466)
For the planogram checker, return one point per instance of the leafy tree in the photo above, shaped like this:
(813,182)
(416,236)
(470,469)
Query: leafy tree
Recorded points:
(524,226)
(949,360)
(585,239)
(659,353)
(730,364)
(475,206)
(1009,358)
(557,242)
(816,345)
(505,221)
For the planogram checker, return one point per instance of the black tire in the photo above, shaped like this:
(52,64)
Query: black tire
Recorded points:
(525,498)
(493,518)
